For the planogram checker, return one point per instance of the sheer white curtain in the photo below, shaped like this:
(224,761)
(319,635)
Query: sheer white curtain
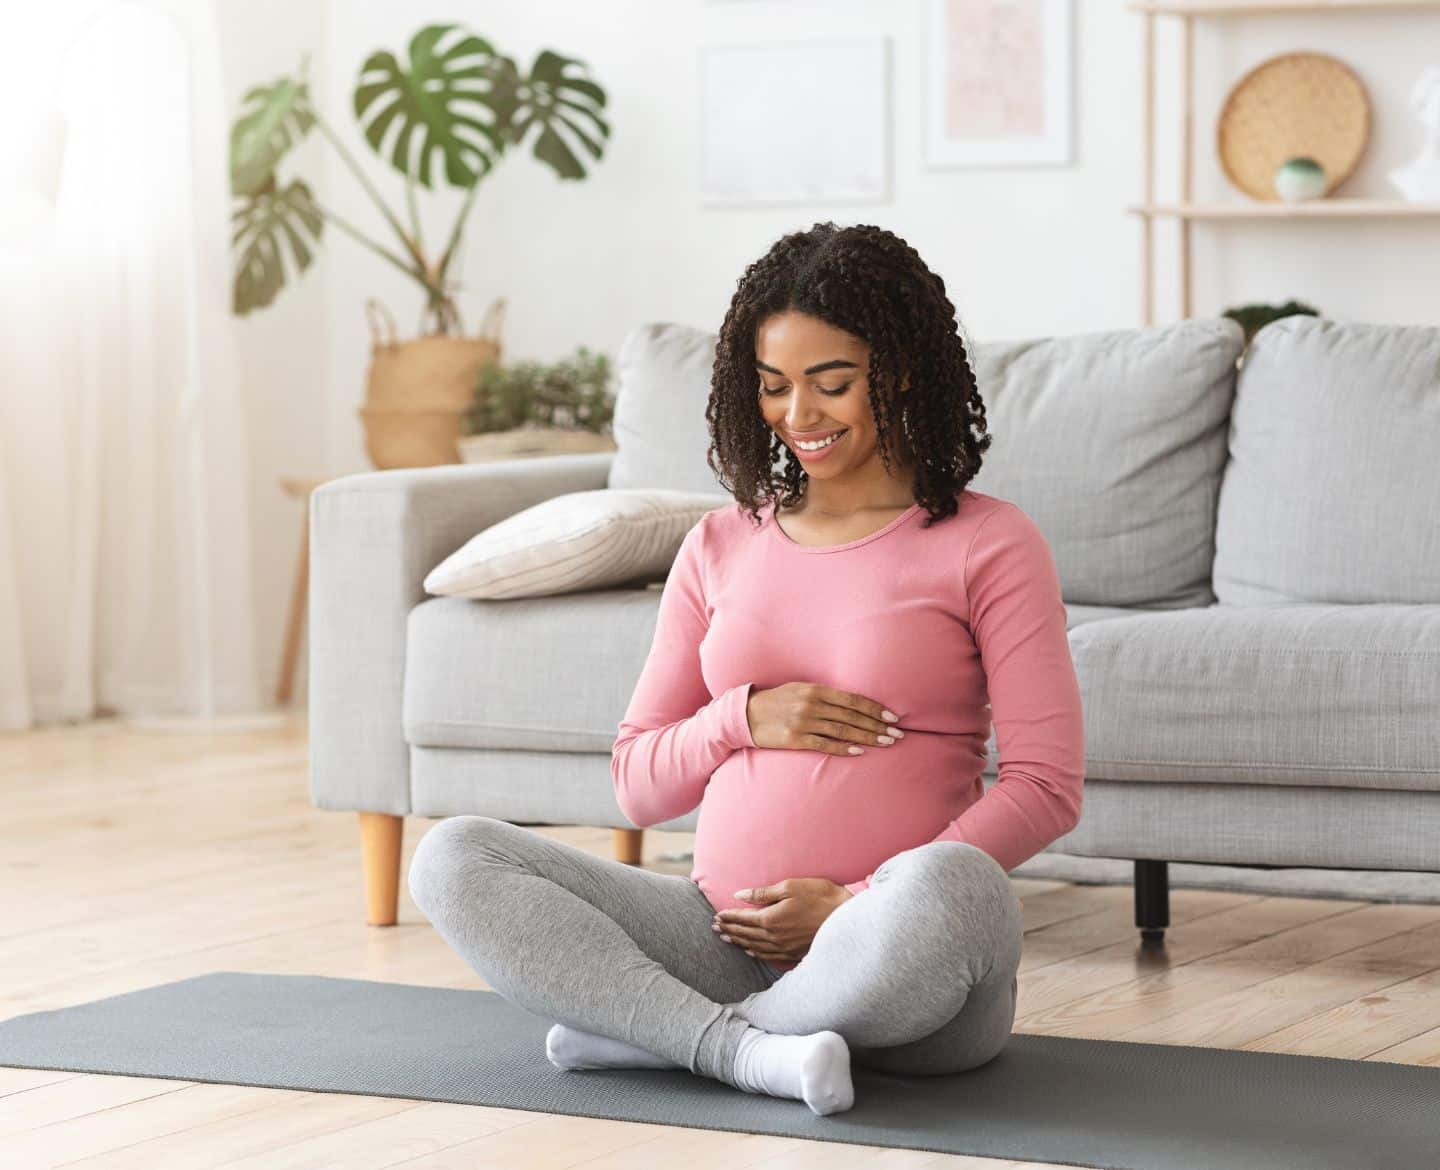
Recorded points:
(125,577)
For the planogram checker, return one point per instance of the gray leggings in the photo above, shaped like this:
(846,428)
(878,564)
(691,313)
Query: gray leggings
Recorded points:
(917,972)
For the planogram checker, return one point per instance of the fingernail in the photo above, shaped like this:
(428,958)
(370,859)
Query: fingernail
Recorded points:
(890,715)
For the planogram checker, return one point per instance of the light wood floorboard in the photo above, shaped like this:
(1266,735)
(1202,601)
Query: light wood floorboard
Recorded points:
(130,859)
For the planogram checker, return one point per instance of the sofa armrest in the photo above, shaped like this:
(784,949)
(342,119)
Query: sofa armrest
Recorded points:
(373,539)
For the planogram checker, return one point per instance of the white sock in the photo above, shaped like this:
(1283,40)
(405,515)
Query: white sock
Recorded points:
(573,1048)
(813,1068)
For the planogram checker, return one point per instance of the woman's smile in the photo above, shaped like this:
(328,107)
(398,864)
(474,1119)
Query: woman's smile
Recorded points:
(810,453)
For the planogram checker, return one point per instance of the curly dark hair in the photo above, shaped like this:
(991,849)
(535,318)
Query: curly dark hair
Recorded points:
(872,284)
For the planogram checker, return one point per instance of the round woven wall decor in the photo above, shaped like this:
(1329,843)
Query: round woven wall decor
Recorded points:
(1307,104)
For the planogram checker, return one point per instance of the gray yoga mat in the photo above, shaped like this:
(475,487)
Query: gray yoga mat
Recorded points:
(1099,1103)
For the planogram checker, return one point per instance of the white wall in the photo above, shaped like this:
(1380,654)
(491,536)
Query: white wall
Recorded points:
(283,353)
(1025,251)
(1022,250)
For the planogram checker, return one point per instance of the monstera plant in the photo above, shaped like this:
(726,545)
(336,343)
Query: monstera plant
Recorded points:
(448,115)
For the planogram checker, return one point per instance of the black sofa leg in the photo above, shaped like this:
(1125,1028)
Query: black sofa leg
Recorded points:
(1152,900)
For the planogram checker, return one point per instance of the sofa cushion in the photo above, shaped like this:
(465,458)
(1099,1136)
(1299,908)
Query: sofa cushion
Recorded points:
(1331,490)
(1278,694)
(1112,442)
(552,673)
(568,664)
(661,436)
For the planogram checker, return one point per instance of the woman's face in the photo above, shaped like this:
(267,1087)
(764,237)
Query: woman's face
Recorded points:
(813,382)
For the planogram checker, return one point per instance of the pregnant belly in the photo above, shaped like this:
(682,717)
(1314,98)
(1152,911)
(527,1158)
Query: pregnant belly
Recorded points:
(775,813)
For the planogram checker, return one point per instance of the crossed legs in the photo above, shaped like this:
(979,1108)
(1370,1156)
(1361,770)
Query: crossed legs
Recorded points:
(917,973)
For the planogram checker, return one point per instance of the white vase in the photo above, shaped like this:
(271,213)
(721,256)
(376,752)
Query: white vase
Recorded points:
(1299,179)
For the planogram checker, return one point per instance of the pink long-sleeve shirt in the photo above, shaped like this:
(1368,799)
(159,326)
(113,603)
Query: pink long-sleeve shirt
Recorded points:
(932,623)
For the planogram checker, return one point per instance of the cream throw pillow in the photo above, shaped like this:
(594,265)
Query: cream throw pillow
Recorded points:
(572,542)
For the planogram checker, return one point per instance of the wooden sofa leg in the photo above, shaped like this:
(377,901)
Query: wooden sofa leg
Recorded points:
(628,844)
(380,836)
(1152,900)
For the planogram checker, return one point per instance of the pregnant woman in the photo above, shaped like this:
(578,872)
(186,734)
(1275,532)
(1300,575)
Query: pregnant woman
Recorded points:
(828,655)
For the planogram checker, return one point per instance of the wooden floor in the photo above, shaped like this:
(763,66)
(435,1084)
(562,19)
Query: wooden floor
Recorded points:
(129,859)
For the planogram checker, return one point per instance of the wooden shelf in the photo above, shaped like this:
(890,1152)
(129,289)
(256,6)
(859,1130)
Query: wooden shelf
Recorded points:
(1185,211)
(1311,209)
(1259,7)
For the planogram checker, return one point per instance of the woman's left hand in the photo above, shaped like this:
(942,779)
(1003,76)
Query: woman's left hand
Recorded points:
(788,916)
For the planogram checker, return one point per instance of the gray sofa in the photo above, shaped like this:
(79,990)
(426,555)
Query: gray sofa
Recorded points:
(1249,552)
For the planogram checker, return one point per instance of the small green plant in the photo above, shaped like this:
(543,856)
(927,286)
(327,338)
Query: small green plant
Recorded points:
(1253,318)
(571,394)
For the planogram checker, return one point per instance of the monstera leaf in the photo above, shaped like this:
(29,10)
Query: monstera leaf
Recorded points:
(278,118)
(467,102)
(458,99)
(264,224)
(555,102)
(457,96)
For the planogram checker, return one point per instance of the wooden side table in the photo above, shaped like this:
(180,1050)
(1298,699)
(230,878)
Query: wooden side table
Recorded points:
(296,487)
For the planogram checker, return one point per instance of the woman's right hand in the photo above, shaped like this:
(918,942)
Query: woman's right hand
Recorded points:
(812,715)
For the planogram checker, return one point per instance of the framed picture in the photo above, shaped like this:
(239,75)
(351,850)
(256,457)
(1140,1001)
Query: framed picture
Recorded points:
(998,82)
(795,123)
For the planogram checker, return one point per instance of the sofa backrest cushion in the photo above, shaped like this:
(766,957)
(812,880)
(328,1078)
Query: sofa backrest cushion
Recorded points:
(659,424)
(1332,490)
(1113,443)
